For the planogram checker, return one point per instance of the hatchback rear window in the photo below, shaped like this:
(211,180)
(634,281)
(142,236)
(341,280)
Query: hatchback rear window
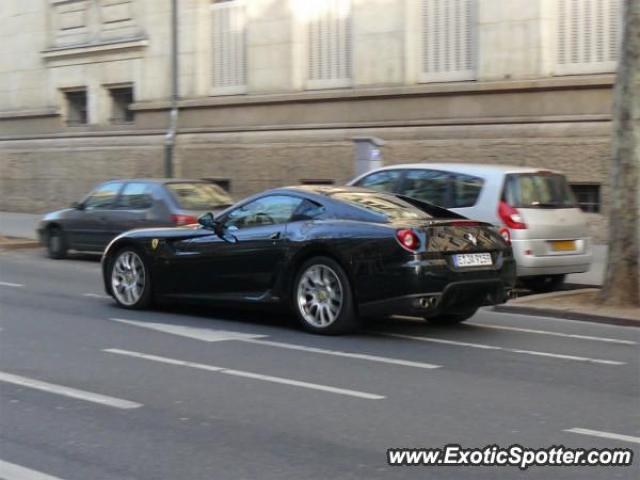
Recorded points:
(538,190)
(199,196)
(390,206)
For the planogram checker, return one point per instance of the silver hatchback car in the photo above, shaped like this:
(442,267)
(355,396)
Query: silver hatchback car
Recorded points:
(534,209)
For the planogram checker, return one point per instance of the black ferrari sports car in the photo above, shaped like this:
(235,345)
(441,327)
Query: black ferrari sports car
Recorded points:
(333,254)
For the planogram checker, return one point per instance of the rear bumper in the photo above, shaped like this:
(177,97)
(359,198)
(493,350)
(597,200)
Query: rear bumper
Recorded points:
(531,260)
(457,296)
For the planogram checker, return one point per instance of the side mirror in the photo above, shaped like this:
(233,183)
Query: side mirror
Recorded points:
(77,206)
(207,221)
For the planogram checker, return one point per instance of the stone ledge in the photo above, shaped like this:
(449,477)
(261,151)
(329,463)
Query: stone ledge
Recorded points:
(93,48)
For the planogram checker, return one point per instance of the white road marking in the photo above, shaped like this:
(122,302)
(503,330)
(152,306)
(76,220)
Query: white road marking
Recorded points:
(9,284)
(337,353)
(556,334)
(611,436)
(96,295)
(204,334)
(255,376)
(11,471)
(68,392)
(504,349)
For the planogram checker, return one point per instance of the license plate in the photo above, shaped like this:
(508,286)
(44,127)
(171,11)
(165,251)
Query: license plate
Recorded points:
(563,245)
(472,260)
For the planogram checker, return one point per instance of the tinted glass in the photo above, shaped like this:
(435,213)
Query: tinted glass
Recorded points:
(307,210)
(383,181)
(391,207)
(538,190)
(104,196)
(465,190)
(199,196)
(271,210)
(429,186)
(135,196)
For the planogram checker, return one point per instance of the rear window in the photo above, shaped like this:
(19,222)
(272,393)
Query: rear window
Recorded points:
(199,196)
(538,190)
(389,206)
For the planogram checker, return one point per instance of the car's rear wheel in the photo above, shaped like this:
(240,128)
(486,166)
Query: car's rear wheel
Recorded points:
(322,298)
(130,279)
(452,318)
(56,243)
(544,283)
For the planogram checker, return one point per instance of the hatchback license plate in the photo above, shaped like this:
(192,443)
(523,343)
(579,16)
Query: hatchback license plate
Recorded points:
(472,260)
(564,245)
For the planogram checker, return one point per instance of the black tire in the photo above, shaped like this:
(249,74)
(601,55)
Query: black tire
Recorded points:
(347,319)
(452,318)
(146,298)
(543,284)
(56,243)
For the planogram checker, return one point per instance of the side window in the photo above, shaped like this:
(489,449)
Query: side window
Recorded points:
(271,210)
(384,181)
(307,210)
(104,196)
(135,196)
(465,190)
(430,186)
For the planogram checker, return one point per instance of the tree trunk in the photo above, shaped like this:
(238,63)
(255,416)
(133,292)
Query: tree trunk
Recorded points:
(622,284)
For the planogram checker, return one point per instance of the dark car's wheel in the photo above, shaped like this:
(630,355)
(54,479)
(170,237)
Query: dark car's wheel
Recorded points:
(56,243)
(322,297)
(452,318)
(129,278)
(546,283)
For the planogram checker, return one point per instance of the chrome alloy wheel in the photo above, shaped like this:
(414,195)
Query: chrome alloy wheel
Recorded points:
(320,296)
(128,278)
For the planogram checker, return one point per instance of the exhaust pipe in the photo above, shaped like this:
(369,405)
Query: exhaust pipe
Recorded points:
(428,302)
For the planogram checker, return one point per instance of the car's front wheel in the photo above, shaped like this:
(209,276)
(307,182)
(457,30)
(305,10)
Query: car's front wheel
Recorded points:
(56,243)
(322,298)
(130,279)
(452,318)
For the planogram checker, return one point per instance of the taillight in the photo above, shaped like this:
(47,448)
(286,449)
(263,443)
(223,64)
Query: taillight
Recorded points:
(180,220)
(408,239)
(506,235)
(510,216)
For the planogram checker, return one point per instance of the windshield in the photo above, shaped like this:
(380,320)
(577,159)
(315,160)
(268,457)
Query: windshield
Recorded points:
(391,207)
(199,196)
(538,190)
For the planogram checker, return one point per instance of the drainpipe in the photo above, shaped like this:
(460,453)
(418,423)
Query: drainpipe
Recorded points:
(170,137)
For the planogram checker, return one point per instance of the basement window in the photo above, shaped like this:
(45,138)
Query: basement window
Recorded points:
(587,196)
(121,100)
(76,107)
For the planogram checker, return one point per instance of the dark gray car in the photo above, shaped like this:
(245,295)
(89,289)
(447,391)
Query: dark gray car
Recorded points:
(116,206)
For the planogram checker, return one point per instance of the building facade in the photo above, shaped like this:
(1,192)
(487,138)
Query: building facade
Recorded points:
(272,92)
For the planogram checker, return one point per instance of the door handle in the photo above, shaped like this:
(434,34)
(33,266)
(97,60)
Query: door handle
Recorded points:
(274,236)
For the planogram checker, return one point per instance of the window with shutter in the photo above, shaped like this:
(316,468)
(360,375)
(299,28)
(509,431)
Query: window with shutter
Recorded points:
(329,44)
(448,30)
(588,33)
(228,26)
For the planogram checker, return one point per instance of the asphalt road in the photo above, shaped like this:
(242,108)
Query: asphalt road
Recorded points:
(90,391)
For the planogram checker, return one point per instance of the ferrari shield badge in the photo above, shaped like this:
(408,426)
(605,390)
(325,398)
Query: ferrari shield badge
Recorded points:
(154,243)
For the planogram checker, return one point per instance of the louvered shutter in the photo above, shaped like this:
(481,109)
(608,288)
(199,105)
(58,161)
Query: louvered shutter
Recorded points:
(588,33)
(448,29)
(228,25)
(329,44)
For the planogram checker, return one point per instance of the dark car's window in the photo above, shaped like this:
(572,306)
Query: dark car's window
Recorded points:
(270,210)
(104,196)
(136,196)
(430,186)
(465,190)
(393,208)
(199,196)
(384,181)
(538,190)
(307,210)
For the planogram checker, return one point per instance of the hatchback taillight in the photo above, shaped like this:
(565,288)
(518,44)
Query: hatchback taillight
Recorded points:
(408,239)
(180,220)
(510,216)
(506,235)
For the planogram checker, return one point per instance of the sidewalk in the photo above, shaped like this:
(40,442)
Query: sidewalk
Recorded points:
(19,225)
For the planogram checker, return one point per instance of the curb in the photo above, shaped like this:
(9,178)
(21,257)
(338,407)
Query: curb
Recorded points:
(19,244)
(566,315)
